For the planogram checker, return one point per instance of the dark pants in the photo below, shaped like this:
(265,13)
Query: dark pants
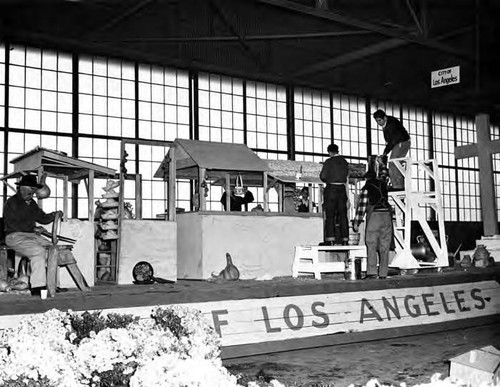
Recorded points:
(335,204)
(378,239)
(400,150)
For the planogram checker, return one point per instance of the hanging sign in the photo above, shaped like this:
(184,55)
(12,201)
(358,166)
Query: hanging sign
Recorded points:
(445,77)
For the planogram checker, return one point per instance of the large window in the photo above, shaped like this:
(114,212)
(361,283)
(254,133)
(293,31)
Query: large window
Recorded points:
(110,100)
(221,114)
(349,127)
(444,148)
(40,90)
(2,86)
(469,200)
(266,117)
(40,108)
(313,124)
(163,103)
(106,97)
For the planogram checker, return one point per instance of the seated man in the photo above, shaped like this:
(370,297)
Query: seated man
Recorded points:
(21,213)
(303,205)
(237,202)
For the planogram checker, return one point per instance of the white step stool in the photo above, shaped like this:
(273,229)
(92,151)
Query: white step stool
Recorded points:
(307,259)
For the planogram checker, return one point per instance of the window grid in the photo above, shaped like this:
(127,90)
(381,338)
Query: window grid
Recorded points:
(468,196)
(416,123)
(312,121)
(466,134)
(106,97)
(266,117)
(469,199)
(163,103)
(349,126)
(444,139)
(154,190)
(102,151)
(40,107)
(20,143)
(495,135)
(40,90)
(221,110)
(449,193)
(2,86)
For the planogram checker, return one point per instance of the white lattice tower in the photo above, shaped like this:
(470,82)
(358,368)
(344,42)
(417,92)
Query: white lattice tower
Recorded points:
(411,204)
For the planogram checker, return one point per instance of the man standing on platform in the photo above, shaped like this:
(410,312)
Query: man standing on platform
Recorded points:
(21,213)
(397,142)
(334,173)
(374,201)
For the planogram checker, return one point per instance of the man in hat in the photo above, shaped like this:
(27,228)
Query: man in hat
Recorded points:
(334,173)
(21,213)
(397,142)
(374,201)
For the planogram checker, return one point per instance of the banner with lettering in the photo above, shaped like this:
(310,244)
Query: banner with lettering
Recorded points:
(250,321)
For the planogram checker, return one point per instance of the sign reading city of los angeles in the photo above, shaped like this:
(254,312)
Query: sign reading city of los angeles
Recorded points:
(445,77)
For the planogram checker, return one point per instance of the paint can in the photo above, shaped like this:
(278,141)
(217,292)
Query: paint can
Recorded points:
(352,269)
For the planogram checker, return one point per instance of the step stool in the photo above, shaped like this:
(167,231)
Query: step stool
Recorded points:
(307,259)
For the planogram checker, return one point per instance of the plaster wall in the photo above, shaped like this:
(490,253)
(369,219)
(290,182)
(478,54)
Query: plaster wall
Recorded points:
(189,246)
(148,240)
(260,245)
(83,249)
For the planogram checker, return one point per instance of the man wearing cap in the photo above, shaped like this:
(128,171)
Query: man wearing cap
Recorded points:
(374,201)
(397,142)
(21,213)
(334,173)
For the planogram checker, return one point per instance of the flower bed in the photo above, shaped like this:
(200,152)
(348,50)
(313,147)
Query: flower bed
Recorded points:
(176,347)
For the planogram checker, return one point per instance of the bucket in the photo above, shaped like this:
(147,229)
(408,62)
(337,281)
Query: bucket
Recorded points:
(352,269)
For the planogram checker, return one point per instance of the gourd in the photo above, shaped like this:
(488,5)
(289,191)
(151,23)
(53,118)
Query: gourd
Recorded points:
(44,192)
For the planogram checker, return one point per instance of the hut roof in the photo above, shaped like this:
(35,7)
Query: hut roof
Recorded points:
(218,158)
(56,163)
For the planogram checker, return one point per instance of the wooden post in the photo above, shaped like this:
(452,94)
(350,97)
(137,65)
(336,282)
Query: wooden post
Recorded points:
(484,149)
(65,197)
(201,190)
(38,178)
(228,192)
(138,196)
(266,193)
(172,176)
(52,271)
(90,194)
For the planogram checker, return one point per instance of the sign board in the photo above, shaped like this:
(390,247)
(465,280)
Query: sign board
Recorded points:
(445,77)
(251,321)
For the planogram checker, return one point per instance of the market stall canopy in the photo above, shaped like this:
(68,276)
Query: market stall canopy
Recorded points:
(291,171)
(56,163)
(217,158)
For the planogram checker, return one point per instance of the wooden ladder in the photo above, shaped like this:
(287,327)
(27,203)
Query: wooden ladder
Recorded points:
(413,203)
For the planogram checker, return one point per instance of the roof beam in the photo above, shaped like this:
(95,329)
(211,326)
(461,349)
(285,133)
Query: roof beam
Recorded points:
(352,56)
(329,15)
(364,52)
(241,39)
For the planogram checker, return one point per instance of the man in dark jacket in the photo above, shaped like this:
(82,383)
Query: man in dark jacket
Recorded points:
(397,142)
(21,213)
(334,174)
(237,202)
(373,201)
